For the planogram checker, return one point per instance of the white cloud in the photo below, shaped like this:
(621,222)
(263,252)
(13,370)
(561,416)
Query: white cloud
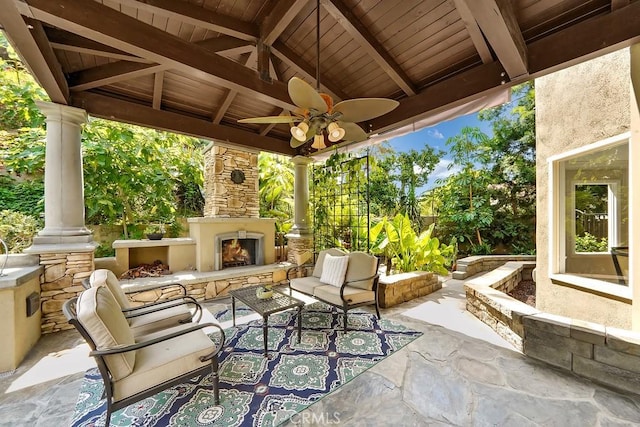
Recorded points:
(442,170)
(435,133)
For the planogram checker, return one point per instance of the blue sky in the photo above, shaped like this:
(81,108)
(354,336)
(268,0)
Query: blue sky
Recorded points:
(436,136)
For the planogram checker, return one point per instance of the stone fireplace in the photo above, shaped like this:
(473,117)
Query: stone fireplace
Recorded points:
(231,234)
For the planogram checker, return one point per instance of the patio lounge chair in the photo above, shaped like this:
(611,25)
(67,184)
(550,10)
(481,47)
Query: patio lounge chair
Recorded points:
(134,370)
(150,317)
(345,284)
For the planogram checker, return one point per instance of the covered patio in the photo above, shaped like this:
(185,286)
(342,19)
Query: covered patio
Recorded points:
(197,67)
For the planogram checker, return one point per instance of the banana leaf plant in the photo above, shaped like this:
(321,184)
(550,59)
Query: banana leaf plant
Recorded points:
(408,251)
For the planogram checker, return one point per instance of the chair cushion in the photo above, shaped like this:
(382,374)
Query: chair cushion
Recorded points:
(361,266)
(333,269)
(164,361)
(331,294)
(157,320)
(106,277)
(305,284)
(317,269)
(99,313)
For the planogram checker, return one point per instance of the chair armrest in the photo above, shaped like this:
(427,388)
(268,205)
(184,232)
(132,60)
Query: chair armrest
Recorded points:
(153,307)
(126,348)
(362,280)
(170,285)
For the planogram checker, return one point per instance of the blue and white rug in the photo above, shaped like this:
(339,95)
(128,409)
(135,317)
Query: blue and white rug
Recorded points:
(259,391)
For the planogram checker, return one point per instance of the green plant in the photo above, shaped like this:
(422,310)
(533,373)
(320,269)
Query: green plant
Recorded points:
(590,243)
(17,230)
(104,250)
(408,251)
(154,229)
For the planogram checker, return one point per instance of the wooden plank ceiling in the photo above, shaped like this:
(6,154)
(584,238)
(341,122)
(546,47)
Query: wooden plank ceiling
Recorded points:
(197,66)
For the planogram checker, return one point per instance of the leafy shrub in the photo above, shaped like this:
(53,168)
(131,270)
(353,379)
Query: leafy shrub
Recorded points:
(407,250)
(17,230)
(26,197)
(589,243)
(104,250)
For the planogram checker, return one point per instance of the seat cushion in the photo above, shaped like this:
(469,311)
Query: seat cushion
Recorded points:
(333,269)
(361,266)
(107,278)
(317,269)
(100,314)
(305,284)
(164,361)
(157,320)
(331,294)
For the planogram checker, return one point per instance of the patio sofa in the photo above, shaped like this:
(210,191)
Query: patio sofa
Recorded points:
(344,280)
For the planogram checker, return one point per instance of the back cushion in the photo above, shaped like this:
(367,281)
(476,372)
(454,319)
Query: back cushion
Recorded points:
(317,270)
(334,269)
(99,313)
(361,266)
(104,277)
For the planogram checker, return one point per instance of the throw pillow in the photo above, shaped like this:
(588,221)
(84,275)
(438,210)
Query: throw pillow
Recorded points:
(334,268)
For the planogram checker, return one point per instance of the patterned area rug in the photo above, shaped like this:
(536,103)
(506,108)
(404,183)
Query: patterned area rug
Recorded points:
(259,391)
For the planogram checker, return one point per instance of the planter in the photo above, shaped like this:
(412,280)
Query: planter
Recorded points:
(398,288)
(155,236)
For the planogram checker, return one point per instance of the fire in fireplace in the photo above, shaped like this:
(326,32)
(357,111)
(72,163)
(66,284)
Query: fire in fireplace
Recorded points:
(237,249)
(238,252)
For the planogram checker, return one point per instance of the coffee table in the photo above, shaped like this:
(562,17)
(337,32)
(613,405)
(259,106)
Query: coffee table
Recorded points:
(265,307)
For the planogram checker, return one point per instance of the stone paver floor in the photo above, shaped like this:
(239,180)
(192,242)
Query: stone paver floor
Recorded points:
(459,373)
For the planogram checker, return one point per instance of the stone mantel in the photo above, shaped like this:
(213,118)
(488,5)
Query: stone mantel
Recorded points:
(230,220)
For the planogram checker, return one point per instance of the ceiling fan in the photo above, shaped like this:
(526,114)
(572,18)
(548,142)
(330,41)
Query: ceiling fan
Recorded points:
(318,119)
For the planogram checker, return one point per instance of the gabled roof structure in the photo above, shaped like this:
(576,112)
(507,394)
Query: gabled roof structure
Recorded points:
(197,66)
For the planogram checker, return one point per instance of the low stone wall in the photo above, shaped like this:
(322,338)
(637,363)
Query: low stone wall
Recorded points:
(200,288)
(62,280)
(606,355)
(487,299)
(472,265)
(398,288)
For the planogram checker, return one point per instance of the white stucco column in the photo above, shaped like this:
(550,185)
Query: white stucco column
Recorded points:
(301,224)
(63,180)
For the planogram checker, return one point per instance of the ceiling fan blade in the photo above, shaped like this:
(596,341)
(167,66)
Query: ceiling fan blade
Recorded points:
(352,132)
(269,119)
(305,96)
(361,109)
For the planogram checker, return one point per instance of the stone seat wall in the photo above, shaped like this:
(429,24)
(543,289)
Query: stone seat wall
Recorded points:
(610,356)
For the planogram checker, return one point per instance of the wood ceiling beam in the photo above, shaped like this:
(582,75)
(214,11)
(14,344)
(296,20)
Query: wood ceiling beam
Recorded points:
(198,16)
(158,83)
(617,4)
(474,31)
(231,94)
(129,112)
(28,38)
(499,24)
(279,19)
(66,41)
(586,40)
(115,72)
(356,29)
(286,55)
(111,73)
(107,26)
(578,43)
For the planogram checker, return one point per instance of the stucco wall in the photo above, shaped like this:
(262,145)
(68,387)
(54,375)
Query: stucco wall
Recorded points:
(576,107)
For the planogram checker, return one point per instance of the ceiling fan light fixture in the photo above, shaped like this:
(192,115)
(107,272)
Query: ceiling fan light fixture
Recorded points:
(318,142)
(300,132)
(336,133)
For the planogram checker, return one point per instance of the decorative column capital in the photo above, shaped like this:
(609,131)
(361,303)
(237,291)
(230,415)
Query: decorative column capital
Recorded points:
(61,112)
(301,160)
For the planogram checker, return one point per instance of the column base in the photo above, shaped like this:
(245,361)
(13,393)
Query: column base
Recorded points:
(61,244)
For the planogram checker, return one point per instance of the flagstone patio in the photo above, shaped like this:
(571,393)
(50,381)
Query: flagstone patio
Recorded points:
(460,372)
